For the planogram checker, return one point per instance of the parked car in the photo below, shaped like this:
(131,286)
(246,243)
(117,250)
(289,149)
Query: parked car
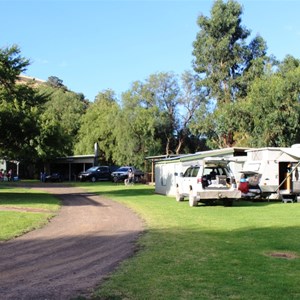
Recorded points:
(210,180)
(122,173)
(95,173)
(54,177)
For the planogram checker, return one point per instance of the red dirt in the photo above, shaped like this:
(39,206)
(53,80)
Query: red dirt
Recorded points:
(71,255)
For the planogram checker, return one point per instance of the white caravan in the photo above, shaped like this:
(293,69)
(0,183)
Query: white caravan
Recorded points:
(279,169)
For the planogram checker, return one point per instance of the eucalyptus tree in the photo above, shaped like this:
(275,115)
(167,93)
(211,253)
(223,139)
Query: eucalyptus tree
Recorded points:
(192,100)
(164,93)
(225,63)
(167,106)
(98,126)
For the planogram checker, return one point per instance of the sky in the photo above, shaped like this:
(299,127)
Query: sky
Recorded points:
(94,45)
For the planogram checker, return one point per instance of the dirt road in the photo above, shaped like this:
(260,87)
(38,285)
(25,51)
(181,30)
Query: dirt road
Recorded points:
(72,254)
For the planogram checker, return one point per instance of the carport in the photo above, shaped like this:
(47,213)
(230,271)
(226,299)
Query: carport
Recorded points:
(71,166)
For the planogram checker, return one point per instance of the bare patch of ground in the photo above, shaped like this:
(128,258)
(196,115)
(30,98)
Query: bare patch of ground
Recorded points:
(285,255)
(71,255)
(24,209)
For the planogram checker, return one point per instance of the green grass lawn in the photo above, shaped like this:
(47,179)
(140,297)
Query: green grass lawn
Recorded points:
(248,251)
(26,210)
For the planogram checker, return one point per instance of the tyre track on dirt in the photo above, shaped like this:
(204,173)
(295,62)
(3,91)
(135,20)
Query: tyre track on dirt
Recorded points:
(72,254)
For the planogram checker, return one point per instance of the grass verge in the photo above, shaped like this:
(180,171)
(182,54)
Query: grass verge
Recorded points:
(248,251)
(22,210)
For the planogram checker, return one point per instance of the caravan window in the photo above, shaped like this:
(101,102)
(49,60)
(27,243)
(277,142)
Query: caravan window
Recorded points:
(256,155)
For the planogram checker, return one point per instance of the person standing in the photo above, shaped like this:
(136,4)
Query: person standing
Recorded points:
(130,176)
(9,175)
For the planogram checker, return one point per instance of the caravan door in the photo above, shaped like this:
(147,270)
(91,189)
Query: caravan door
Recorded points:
(289,178)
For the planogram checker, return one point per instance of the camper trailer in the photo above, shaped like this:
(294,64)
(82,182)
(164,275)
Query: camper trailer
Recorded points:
(279,171)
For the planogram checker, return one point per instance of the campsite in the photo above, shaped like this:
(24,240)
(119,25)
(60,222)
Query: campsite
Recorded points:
(149,150)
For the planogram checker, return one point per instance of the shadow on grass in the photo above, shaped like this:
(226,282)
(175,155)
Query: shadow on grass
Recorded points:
(240,263)
(245,264)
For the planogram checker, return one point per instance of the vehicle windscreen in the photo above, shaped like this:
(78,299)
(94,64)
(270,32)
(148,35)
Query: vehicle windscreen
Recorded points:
(122,170)
(92,169)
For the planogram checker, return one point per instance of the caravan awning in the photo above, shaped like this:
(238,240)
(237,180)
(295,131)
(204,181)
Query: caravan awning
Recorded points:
(294,152)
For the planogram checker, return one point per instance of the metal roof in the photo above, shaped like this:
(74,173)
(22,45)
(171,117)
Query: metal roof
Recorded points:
(203,154)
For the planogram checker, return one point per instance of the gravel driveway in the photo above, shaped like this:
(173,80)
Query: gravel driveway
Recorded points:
(71,255)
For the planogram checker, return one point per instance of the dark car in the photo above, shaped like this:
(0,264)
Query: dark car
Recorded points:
(95,173)
(122,173)
(54,177)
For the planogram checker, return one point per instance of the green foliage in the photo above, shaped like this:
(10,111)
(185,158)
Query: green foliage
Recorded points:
(226,65)
(135,131)
(12,64)
(153,118)
(267,117)
(273,109)
(98,125)
(169,107)
(19,108)
(55,82)
(59,122)
(220,50)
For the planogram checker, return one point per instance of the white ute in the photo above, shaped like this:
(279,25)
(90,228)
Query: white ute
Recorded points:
(208,181)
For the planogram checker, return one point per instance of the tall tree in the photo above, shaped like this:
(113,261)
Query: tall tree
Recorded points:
(169,106)
(12,64)
(165,92)
(97,126)
(226,64)
(270,116)
(59,121)
(192,99)
(19,107)
(135,127)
